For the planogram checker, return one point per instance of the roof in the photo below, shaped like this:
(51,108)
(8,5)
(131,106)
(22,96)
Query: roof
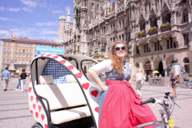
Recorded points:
(26,40)
(62,18)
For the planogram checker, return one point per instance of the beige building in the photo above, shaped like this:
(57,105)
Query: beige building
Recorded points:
(155,31)
(22,51)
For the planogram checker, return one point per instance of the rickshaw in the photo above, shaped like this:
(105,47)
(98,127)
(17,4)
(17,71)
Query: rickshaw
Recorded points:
(60,92)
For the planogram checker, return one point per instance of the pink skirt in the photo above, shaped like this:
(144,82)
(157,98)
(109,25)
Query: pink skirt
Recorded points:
(122,108)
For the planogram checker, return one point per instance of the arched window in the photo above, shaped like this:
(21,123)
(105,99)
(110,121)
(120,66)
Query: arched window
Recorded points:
(149,6)
(137,65)
(186,65)
(185,16)
(142,25)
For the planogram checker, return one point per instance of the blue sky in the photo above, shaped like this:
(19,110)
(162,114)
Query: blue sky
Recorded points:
(34,19)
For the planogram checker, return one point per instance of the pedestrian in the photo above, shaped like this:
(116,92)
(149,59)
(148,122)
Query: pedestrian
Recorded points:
(6,77)
(119,105)
(12,75)
(23,80)
(19,84)
(139,79)
(173,80)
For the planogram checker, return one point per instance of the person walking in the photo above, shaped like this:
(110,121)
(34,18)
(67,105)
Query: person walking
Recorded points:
(173,80)
(23,80)
(119,105)
(6,77)
(19,80)
(139,79)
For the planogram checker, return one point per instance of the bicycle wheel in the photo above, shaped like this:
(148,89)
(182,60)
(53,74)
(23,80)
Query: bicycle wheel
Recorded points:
(189,85)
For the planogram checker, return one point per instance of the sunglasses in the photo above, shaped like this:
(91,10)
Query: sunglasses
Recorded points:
(119,48)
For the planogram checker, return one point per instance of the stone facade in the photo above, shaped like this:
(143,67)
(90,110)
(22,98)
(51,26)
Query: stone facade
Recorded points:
(155,31)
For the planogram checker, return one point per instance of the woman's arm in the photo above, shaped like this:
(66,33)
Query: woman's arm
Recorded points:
(177,79)
(96,79)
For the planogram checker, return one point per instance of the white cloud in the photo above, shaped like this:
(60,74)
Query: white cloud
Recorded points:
(14,9)
(57,11)
(30,3)
(2,8)
(4,19)
(4,32)
(46,32)
(27,9)
(47,24)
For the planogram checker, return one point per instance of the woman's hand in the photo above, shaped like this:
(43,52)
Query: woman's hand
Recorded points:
(104,88)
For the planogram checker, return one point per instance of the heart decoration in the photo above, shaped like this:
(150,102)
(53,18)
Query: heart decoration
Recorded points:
(30,80)
(97,109)
(34,106)
(39,107)
(78,75)
(37,100)
(30,88)
(36,114)
(63,61)
(46,126)
(49,54)
(71,67)
(42,54)
(85,86)
(94,93)
(42,117)
(31,111)
(31,97)
(55,57)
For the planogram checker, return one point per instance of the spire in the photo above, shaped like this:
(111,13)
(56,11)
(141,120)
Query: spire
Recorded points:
(68,11)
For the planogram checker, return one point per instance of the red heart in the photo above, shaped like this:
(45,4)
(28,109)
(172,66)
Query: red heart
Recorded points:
(85,86)
(30,80)
(63,61)
(49,54)
(42,117)
(46,126)
(31,97)
(97,109)
(31,111)
(55,57)
(78,75)
(42,54)
(34,106)
(71,67)
(37,100)
(94,93)
(30,88)
(39,107)
(36,114)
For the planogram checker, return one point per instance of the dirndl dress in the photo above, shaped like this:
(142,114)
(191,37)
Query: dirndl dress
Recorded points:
(119,106)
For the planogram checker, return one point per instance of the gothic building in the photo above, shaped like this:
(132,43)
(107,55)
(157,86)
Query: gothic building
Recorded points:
(155,31)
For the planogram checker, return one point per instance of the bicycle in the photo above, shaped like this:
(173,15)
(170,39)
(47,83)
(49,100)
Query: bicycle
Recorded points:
(167,121)
(188,83)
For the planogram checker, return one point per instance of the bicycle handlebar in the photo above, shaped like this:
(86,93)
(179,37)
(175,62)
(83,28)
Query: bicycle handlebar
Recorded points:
(151,100)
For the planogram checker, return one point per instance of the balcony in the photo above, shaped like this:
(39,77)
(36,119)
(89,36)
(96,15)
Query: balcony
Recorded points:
(141,34)
(165,27)
(153,30)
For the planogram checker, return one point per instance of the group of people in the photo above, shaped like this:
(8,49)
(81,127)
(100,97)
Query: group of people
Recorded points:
(6,77)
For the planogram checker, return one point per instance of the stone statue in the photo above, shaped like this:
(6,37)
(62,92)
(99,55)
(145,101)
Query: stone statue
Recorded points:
(78,16)
(13,37)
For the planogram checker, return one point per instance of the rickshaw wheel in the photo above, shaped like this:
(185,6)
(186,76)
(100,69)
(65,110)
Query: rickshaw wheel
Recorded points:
(36,125)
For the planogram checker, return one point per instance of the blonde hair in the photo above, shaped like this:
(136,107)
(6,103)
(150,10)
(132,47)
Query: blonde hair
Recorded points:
(116,62)
(139,70)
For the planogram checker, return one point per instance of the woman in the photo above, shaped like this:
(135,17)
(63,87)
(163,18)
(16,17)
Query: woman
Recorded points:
(23,80)
(173,80)
(139,79)
(119,105)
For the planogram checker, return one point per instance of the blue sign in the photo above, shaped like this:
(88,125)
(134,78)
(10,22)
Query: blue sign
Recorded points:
(40,50)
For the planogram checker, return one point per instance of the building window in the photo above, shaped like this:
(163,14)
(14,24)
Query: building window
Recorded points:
(7,60)
(146,49)
(9,44)
(92,6)
(186,39)
(19,50)
(20,45)
(30,51)
(5,43)
(15,61)
(19,61)
(31,45)
(16,44)
(27,51)
(23,61)
(97,7)
(8,49)
(30,56)
(4,49)
(3,60)
(27,45)
(157,46)
(20,55)
(185,16)
(16,50)
(23,45)
(4,54)
(8,54)
(186,65)
(137,50)
(23,55)
(27,56)
(27,61)
(23,50)
(16,55)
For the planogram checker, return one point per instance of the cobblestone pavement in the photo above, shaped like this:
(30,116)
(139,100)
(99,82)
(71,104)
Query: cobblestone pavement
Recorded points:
(14,109)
